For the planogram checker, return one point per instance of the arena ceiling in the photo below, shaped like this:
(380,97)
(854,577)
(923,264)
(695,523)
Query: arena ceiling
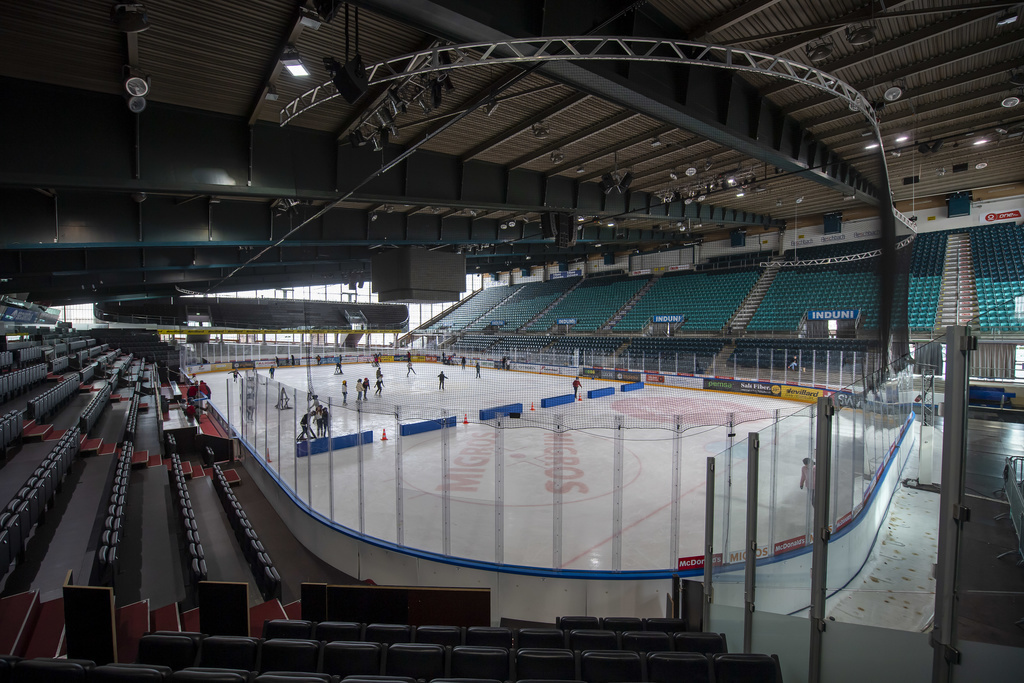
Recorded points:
(215,186)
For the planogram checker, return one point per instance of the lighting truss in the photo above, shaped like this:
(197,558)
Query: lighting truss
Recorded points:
(848,258)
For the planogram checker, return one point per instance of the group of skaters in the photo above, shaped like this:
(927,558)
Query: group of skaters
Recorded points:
(196,393)
(363,387)
(318,418)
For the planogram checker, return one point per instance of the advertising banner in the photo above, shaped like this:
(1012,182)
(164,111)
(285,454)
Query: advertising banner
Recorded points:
(669,319)
(242,364)
(685,382)
(697,562)
(790,544)
(654,379)
(497,323)
(742,387)
(641,271)
(525,367)
(565,273)
(557,370)
(845,399)
(265,363)
(566,321)
(1000,216)
(418,359)
(219,367)
(801,394)
(847,314)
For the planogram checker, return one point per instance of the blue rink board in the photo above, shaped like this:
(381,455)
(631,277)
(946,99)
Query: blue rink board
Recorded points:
(428,426)
(631,387)
(603,391)
(314,446)
(557,400)
(491,413)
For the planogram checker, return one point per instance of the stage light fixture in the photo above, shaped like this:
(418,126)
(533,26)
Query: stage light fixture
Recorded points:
(819,50)
(860,34)
(129,17)
(1006,19)
(292,60)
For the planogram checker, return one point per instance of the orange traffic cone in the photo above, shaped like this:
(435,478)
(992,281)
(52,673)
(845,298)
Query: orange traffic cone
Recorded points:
(579,397)
(268,457)
(465,418)
(531,406)
(384,435)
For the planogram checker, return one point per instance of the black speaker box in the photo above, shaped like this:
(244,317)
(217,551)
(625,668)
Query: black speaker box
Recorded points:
(351,81)
(547,225)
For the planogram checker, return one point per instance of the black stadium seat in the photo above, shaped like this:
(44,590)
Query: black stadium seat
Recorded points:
(599,666)
(229,652)
(489,636)
(574,623)
(701,643)
(665,624)
(328,631)
(471,661)
(422,661)
(275,677)
(540,637)
(175,651)
(290,654)
(547,664)
(44,670)
(747,668)
(646,641)
(671,667)
(349,658)
(206,675)
(440,635)
(287,628)
(593,639)
(388,633)
(129,673)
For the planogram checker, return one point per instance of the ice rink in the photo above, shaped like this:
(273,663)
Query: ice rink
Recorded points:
(504,505)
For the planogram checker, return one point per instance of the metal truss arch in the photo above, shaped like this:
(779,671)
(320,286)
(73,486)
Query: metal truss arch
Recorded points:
(444,58)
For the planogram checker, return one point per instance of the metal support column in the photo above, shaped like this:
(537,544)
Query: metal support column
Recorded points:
(953,513)
(446,487)
(677,458)
(750,566)
(727,494)
(399,477)
(617,495)
(819,551)
(556,496)
(499,490)
(709,538)
(330,457)
(359,456)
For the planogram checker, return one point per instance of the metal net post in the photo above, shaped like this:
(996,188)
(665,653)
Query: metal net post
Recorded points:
(617,496)
(330,456)
(773,482)
(677,458)
(295,442)
(399,480)
(556,496)
(728,482)
(499,491)
(446,484)
(361,472)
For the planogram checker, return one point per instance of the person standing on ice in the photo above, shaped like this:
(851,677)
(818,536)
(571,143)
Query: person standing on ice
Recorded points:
(807,477)
(408,368)
(576,387)
(440,381)
(478,369)
(359,390)
(344,391)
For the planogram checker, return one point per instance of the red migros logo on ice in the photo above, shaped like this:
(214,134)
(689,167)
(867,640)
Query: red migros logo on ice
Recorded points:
(999,216)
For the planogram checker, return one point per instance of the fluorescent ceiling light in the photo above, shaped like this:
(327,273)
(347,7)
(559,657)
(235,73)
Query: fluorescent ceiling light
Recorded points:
(902,138)
(873,145)
(980,142)
(292,60)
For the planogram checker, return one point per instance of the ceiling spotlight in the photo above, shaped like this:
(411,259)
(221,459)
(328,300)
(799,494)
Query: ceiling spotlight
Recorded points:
(580,219)
(271,95)
(388,208)
(673,175)
(1011,101)
(539,130)
(129,17)
(897,153)
(581,169)
(902,138)
(872,145)
(860,34)
(356,138)
(373,216)
(557,157)
(980,142)
(610,224)
(892,93)
(688,201)
(981,164)
(436,93)
(731,180)
(1006,19)
(292,60)
(691,171)
(656,142)
(819,50)
(799,200)
(503,226)
(940,171)
(778,202)
(136,104)
(378,145)
(701,197)
(136,85)
(740,193)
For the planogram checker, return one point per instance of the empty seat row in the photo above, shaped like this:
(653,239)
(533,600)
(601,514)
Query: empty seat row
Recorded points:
(27,355)
(11,426)
(92,412)
(267,577)
(431,662)
(88,372)
(53,399)
(664,635)
(132,422)
(77,344)
(17,382)
(194,557)
(59,364)
(29,504)
(6,359)
(113,524)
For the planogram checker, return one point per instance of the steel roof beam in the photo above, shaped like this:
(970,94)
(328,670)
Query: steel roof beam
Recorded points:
(291,35)
(524,125)
(577,136)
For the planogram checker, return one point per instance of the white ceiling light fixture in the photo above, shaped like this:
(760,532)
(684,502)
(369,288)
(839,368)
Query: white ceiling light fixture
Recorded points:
(540,130)
(656,142)
(581,169)
(292,60)
(893,93)
(981,165)
(799,200)
(691,171)
(980,142)
(673,175)
(871,145)
(557,156)
(1011,101)
(902,138)
(1006,19)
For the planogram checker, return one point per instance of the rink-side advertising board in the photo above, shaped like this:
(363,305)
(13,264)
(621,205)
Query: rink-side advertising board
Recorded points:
(739,386)
(696,562)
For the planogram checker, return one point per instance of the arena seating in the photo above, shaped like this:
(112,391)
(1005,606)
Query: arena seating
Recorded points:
(848,285)
(706,299)
(267,577)
(107,554)
(590,346)
(998,275)
(59,364)
(591,304)
(530,300)
(470,310)
(28,354)
(926,264)
(518,346)
(92,412)
(6,359)
(17,381)
(53,399)
(11,426)
(196,559)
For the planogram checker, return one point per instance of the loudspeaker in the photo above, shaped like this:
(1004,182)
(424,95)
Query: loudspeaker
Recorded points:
(350,80)
(547,225)
(565,230)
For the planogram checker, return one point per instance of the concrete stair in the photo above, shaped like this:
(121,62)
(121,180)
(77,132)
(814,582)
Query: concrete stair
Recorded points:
(958,296)
(619,314)
(738,322)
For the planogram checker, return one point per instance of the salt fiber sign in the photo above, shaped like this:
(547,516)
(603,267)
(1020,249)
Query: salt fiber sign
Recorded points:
(833,315)
(669,318)
(566,321)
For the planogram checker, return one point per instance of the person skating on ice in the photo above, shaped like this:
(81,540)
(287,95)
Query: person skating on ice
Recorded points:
(576,385)
(379,385)
(478,369)
(359,390)
(440,381)
(408,368)
(344,391)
